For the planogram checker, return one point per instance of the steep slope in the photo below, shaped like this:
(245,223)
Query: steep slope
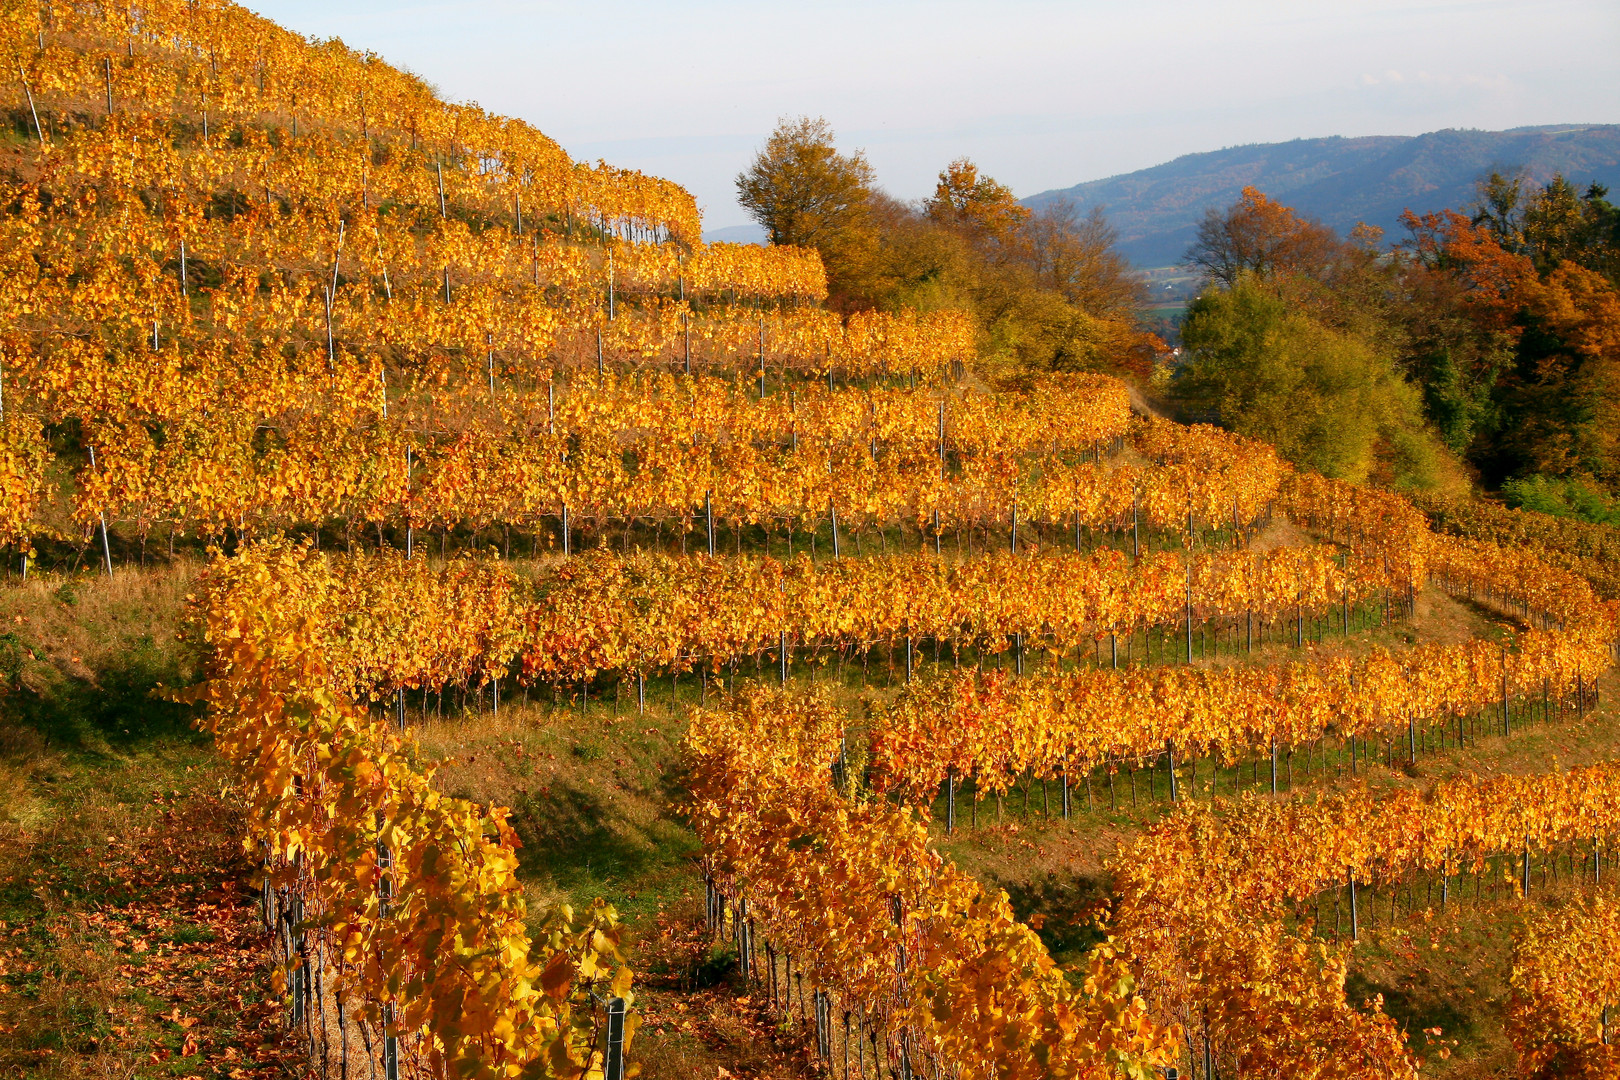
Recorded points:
(1338,180)
(219,234)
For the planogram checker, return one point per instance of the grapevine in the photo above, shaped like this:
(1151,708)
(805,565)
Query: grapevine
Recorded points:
(329,790)
(389,622)
(1566,984)
(920,950)
(1203,902)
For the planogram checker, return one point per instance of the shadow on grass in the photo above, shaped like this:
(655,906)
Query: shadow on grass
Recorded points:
(587,844)
(1067,904)
(1413,1008)
(115,711)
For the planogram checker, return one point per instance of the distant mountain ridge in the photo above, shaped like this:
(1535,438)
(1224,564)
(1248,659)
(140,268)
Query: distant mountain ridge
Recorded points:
(1337,180)
(736,234)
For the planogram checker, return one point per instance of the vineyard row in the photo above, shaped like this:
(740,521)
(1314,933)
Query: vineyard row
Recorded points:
(1585,548)
(398,908)
(214,475)
(1566,983)
(388,623)
(1208,899)
(338,127)
(927,966)
(1203,920)
(430,319)
(994,729)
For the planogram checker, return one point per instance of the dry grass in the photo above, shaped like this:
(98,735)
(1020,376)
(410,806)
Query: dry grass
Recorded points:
(592,797)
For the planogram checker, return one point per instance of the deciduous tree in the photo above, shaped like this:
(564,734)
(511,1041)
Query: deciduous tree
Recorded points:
(1259,235)
(803,191)
(976,205)
(1325,399)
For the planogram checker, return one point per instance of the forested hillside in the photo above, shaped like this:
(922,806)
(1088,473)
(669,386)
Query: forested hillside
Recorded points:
(1338,181)
(1488,334)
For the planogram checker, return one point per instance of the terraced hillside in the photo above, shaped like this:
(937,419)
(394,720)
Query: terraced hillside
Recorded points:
(459,623)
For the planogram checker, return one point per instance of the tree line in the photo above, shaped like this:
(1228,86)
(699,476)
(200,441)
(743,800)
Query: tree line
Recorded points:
(1487,339)
(1047,289)
(1482,346)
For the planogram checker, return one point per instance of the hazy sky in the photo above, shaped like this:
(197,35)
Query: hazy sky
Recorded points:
(1041,93)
